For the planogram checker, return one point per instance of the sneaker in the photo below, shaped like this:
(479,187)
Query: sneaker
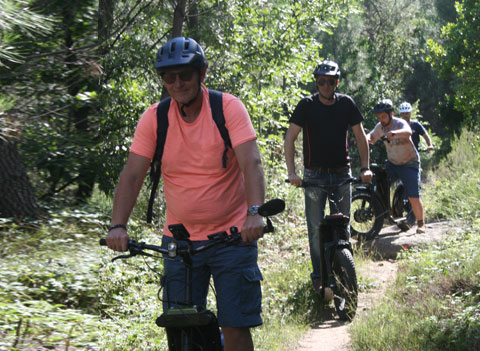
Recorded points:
(421,229)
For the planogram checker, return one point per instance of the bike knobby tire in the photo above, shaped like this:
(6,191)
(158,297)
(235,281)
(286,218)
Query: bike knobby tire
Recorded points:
(366,217)
(346,291)
(402,208)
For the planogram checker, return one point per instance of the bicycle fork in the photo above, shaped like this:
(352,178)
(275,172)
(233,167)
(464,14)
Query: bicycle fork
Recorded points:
(329,252)
(330,241)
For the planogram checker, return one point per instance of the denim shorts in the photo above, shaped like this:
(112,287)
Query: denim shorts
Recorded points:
(236,278)
(409,175)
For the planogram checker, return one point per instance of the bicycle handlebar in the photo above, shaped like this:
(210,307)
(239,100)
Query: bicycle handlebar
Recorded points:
(327,186)
(270,208)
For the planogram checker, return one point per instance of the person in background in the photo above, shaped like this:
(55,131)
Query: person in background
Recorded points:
(403,158)
(405,110)
(199,193)
(325,118)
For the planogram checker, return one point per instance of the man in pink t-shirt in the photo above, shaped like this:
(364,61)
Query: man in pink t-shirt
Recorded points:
(201,194)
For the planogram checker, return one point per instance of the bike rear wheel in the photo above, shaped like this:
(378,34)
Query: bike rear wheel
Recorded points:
(366,217)
(402,207)
(346,290)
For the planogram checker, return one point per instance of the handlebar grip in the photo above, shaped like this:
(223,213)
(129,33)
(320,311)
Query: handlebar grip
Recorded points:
(103,242)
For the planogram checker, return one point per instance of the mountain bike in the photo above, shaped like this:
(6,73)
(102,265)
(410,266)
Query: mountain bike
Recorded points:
(190,327)
(371,206)
(336,256)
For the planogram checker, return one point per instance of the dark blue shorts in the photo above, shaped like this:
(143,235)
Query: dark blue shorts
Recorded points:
(236,278)
(410,177)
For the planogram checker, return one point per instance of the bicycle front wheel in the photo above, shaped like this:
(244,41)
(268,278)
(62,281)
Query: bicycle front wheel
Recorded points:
(346,290)
(366,217)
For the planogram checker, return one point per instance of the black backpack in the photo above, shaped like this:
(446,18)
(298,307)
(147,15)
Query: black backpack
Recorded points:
(216,105)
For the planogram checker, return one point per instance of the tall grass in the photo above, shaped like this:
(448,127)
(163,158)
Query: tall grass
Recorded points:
(453,190)
(434,303)
(48,290)
(59,289)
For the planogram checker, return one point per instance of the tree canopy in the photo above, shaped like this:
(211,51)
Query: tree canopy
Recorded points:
(76,76)
(457,54)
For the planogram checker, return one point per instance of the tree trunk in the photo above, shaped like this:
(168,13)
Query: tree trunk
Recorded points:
(193,23)
(105,21)
(17,198)
(178,18)
(177,28)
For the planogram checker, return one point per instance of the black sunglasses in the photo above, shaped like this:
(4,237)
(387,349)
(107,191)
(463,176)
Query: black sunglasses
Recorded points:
(171,77)
(321,82)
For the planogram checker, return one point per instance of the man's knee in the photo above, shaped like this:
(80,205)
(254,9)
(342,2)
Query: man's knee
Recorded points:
(237,339)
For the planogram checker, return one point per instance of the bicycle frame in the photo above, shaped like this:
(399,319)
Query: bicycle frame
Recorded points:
(379,188)
(188,325)
(336,257)
(332,230)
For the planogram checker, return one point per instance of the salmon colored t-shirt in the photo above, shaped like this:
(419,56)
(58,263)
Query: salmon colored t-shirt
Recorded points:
(199,193)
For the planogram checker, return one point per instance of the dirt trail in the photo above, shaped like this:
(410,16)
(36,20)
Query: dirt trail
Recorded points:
(330,333)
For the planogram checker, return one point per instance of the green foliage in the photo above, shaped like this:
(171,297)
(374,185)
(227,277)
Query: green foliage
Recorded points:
(435,302)
(457,53)
(454,190)
(49,298)
(265,54)
(78,109)
(17,18)
(53,89)
(381,53)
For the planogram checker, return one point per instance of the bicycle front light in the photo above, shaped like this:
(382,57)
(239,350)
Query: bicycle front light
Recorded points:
(172,249)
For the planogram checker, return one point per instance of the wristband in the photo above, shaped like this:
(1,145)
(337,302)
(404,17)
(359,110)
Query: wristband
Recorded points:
(117,226)
(364,169)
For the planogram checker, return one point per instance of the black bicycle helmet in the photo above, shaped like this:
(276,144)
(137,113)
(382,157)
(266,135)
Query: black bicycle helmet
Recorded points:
(327,68)
(180,51)
(384,105)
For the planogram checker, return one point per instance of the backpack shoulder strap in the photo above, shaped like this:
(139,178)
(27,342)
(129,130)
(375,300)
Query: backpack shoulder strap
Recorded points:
(156,165)
(216,104)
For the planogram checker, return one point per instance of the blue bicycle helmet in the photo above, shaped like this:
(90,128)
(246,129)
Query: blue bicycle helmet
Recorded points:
(327,68)
(384,105)
(180,51)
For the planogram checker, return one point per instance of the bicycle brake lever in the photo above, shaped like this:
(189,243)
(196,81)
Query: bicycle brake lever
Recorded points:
(269,227)
(133,252)
(121,257)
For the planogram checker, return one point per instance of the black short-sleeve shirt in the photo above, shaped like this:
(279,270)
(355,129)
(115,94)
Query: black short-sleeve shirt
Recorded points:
(325,129)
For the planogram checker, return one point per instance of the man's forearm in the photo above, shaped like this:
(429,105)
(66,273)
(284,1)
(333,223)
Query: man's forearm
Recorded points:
(254,183)
(124,200)
(427,139)
(402,133)
(289,156)
(364,152)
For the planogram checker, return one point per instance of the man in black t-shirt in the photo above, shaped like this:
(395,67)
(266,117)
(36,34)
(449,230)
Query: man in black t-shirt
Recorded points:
(405,110)
(325,118)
